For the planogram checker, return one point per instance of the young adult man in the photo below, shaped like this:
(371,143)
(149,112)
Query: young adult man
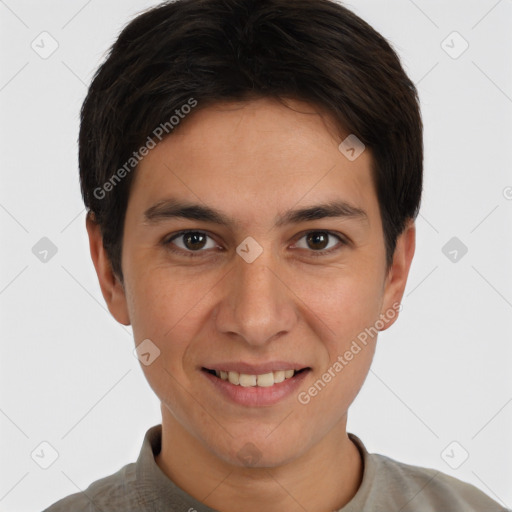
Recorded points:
(252,172)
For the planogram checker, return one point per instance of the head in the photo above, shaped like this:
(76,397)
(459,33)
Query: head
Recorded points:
(224,118)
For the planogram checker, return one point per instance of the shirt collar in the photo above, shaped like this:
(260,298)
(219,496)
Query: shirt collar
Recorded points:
(159,494)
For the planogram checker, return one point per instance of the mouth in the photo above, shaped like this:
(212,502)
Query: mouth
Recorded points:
(263,380)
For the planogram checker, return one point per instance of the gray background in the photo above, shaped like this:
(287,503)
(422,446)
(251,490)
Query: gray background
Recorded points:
(441,373)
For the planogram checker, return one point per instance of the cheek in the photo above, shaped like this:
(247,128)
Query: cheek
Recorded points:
(164,308)
(340,304)
(347,313)
(169,307)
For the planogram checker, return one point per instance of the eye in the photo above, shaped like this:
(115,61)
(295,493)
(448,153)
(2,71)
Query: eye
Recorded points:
(190,242)
(320,242)
(194,243)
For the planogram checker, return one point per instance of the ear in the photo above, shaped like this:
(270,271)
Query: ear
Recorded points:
(111,286)
(396,278)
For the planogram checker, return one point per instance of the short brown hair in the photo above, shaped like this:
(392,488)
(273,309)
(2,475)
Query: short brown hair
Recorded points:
(216,50)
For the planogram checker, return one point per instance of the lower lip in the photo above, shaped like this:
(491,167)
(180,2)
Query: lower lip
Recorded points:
(257,396)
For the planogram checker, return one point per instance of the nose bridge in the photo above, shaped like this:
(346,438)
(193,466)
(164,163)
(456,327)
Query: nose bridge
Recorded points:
(257,306)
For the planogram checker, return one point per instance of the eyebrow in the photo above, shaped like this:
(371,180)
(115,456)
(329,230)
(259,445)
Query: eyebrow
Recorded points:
(172,208)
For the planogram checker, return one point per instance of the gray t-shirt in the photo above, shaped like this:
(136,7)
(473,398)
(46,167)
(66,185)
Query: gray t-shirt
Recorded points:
(387,486)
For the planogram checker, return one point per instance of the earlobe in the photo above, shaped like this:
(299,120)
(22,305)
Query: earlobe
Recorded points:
(111,286)
(396,279)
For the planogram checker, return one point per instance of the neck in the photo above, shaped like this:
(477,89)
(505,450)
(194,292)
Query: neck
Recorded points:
(324,479)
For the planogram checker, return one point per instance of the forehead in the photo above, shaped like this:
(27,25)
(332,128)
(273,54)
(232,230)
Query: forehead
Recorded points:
(259,156)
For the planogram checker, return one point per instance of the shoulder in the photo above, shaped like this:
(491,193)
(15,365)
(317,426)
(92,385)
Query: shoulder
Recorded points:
(389,484)
(418,488)
(117,490)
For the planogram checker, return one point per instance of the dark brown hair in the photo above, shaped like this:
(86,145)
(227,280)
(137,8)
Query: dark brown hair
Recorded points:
(198,52)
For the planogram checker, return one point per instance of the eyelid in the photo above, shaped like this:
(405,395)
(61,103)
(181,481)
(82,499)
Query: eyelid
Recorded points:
(343,241)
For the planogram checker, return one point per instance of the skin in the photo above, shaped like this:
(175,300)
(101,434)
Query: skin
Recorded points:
(253,161)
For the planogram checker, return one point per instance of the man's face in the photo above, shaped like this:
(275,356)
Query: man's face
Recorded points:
(255,294)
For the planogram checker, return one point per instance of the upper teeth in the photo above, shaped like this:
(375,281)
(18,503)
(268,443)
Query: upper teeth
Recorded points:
(263,380)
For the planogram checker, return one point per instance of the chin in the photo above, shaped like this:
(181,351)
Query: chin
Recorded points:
(258,451)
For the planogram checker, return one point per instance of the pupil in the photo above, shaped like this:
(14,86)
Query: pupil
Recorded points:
(317,240)
(194,240)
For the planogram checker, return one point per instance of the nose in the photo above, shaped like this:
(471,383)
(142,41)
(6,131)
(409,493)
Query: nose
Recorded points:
(256,305)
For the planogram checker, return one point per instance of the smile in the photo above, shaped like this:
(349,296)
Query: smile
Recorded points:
(263,380)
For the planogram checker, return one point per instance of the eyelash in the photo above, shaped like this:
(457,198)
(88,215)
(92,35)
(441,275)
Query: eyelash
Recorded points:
(192,254)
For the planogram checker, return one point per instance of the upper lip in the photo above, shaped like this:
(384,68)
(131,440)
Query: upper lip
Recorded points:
(255,369)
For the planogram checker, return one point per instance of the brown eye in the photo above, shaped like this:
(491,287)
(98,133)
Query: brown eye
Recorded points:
(191,241)
(194,241)
(320,242)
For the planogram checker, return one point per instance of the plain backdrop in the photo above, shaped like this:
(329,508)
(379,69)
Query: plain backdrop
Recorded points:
(440,383)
